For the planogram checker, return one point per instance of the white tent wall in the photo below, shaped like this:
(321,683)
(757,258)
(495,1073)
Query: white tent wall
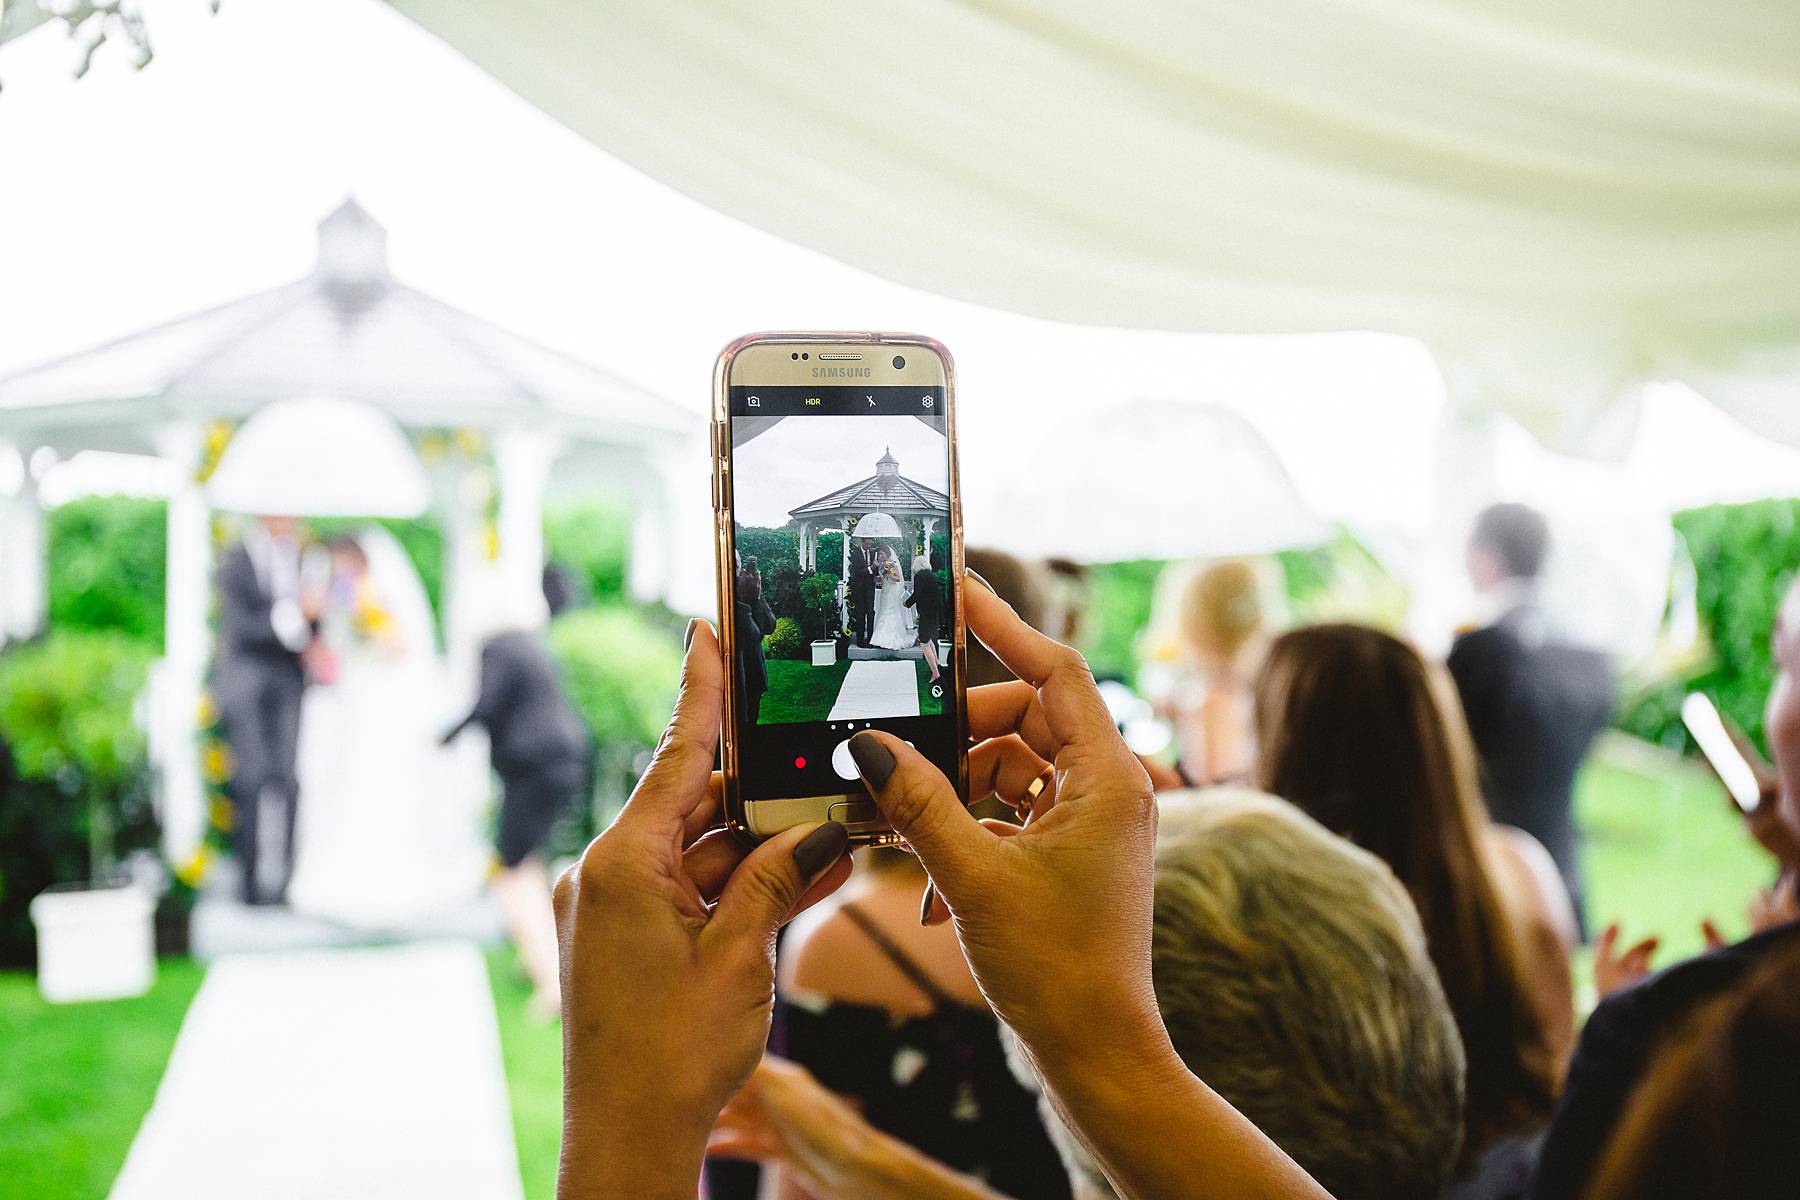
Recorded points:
(1609,191)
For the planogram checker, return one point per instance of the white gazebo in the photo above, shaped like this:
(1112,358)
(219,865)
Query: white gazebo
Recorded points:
(351,332)
(887,492)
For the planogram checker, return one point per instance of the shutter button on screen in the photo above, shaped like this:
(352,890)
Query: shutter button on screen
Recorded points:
(842,763)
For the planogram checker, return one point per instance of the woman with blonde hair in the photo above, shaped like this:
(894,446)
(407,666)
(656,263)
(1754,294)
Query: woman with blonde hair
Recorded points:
(1363,734)
(1222,620)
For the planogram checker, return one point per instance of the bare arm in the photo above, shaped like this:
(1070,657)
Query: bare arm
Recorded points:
(822,1144)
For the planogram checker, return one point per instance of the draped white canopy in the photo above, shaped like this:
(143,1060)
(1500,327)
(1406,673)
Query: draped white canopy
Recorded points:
(1564,200)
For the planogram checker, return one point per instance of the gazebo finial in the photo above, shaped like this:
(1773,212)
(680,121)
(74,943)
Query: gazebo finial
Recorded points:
(352,253)
(887,464)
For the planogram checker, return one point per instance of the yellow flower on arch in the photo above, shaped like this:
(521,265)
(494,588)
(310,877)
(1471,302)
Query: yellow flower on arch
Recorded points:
(215,762)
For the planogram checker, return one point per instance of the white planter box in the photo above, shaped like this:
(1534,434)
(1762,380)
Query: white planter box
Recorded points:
(824,653)
(94,944)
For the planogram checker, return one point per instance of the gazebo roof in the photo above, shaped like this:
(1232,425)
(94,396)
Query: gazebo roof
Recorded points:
(348,330)
(885,491)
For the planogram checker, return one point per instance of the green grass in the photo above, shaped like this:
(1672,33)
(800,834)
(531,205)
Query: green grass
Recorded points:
(532,1052)
(799,691)
(78,1078)
(1664,848)
(929,705)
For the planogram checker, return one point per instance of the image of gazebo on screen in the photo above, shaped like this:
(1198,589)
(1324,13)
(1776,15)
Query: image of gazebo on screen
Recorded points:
(843,597)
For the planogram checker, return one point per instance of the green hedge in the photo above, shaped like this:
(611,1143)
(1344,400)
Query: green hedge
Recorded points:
(1744,559)
(620,669)
(106,566)
(590,536)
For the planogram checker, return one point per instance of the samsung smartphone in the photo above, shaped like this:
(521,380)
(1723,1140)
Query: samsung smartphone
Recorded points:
(1724,752)
(839,539)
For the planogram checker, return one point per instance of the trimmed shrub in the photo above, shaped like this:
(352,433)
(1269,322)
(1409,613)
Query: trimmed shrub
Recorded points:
(818,601)
(787,641)
(77,796)
(620,670)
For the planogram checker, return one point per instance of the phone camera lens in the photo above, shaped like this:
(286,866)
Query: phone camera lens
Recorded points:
(899,361)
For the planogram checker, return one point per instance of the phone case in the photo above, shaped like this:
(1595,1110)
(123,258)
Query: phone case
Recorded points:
(721,445)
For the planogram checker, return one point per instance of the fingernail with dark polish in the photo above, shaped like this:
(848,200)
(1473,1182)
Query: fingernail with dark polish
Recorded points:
(925,902)
(820,848)
(874,762)
(972,573)
(687,639)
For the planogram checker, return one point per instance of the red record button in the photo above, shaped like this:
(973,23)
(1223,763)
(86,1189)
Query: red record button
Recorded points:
(800,762)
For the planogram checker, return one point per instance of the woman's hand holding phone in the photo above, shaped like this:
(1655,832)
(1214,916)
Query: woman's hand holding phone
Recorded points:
(667,928)
(1055,918)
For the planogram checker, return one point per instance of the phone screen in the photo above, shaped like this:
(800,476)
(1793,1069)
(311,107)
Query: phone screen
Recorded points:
(1703,721)
(842,585)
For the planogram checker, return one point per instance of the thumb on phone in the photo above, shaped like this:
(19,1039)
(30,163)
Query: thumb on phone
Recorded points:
(922,806)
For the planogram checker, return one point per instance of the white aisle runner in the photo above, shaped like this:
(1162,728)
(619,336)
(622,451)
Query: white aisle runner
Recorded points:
(878,689)
(327,1074)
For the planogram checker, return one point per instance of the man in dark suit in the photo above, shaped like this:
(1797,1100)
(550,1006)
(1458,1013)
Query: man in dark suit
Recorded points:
(1535,703)
(265,624)
(1624,1034)
(862,593)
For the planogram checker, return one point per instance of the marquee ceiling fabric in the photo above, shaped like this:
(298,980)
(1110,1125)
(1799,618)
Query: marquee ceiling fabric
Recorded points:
(1611,188)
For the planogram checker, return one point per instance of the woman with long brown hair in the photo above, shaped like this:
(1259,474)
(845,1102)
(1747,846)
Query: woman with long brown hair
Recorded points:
(1358,730)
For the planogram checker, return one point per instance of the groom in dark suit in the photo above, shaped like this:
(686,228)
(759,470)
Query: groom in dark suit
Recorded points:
(862,592)
(265,623)
(1535,701)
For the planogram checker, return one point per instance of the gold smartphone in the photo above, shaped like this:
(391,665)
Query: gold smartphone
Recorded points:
(839,541)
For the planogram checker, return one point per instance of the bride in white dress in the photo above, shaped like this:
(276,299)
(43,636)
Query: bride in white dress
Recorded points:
(895,624)
(388,827)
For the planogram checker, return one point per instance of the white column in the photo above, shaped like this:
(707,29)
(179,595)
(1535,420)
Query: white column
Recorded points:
(186,647)
(844,572)
(523,458)
(23,582)
(805,527)
(463,560)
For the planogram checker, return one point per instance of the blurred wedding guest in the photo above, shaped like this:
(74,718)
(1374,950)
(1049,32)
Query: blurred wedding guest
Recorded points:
(1360,732)
(1019,583)
(1222,624)
(1534,701)
(1292,976)
(539,748)
(755,621)
(1619,1044)
(883,1010)
(1717,1116)
(266,624)
(562,591)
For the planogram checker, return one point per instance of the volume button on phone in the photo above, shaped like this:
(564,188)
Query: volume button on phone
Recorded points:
(717,498)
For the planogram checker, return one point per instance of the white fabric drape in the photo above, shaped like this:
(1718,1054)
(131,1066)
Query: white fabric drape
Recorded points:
(1609,190)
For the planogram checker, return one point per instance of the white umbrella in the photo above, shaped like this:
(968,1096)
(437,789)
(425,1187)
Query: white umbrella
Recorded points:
(1165,479)
(877,525)
(320,457)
